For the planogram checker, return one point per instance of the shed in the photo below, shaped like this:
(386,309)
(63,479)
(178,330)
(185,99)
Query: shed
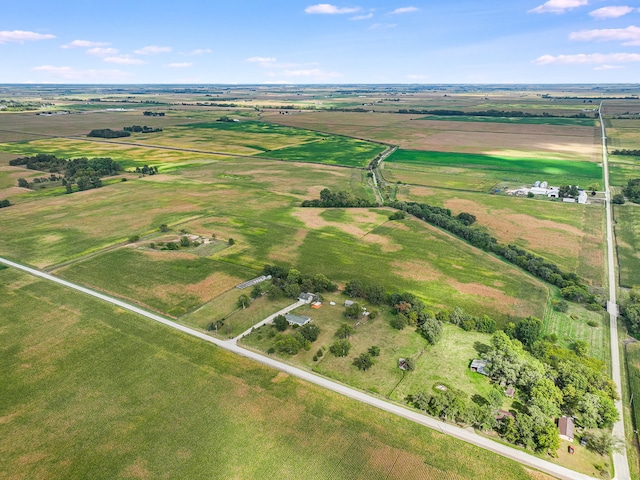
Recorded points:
(583,199)
(566,428)
(479,366)
(297,319)
(348,303)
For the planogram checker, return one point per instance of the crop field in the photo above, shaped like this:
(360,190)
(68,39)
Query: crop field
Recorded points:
(171,282)
(498,139)
(90,391)
(623,168)
(583,171)
(622,133)
(570,235)
(577,122)
(627,228)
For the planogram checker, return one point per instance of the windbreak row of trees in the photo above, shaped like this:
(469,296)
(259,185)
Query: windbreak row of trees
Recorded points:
(108,133)
(329,199)
(486,113)
(624,151)
(141,129)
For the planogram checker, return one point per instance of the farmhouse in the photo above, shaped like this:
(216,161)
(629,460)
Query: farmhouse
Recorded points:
(308,297)
(479,366)
(566,428)
(299,320)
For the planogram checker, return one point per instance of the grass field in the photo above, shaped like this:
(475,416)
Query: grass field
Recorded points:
(632,351)
(554,170)
(623,168)
(558,121)
(446,362)
(171,282)
(572,326)
(567,234)
(90,391)
(627,228)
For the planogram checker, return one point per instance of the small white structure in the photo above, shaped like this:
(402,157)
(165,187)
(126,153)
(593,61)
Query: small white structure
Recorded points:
(544,185)
(479,366)
(536,183)
(569,200)
(583,198)
(348,303)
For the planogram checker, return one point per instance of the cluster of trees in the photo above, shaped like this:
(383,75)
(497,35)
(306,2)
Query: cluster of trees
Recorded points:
(568,191)
(108,133)
(141,129)
(633,153)
(84,172)
(291,283)
(632,190)
(365,361)
(340,199)
(147,170)
(292,343)
(152,114)
(5,203)
(486,113)
(538,266)
(630,310)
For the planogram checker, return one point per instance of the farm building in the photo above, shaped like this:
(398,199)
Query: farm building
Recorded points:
(479,366)
(566,428)
(583,198)
(308,297)
(348,303)
(297,319)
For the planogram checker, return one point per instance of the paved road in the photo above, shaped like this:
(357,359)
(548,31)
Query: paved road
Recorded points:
(620,460)
(232,346)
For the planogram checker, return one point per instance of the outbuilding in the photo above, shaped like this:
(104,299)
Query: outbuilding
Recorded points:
(479,366)
(566,428)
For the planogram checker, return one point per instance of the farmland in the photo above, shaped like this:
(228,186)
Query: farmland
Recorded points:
(560,121)
(98,380)
(628,244)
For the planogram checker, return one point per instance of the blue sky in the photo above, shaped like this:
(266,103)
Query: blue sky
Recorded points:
(277,41)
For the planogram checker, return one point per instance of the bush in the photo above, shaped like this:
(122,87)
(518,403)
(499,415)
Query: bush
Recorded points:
(5,203)
(560,306)
(164,228)
(530,195)
(374,351)
(592,323)
(594,307)
(399,321)
(319,353)
(618,199)
(133,238)
(271,351)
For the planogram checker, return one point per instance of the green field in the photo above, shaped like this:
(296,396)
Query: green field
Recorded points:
(627,228)
(91,391)
(623,168)
(632,351)
(584,172)
(563,121)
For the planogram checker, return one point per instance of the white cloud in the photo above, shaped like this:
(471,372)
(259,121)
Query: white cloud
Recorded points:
(362,17)
(152,50)
(124,60)
(68,73)
(558,6)
(404,10)
(20,36)
(611,12)
(382,26)
(102,51)
(586,58)
(629,35)
(199,51)
(85,44)
(261,59)
(179,65)
(328,9)
(607,67)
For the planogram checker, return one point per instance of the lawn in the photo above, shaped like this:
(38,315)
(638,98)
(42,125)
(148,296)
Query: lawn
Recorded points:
(91,391)
(627,229)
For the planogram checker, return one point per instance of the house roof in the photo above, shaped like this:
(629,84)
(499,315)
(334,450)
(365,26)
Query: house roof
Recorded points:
(479,366)
(297,319)
(306,297)
(566,426)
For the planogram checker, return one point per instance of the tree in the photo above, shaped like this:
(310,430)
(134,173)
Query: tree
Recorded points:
(184,241)
(340,348)
(281,323)
(23,183)
(363,361)
(399,321)
(580,347)
(164,228)
(618,199)
(243,301)
(288,344)
(600,441)
(231,242)
(5,203)
(344,331)
(529,331)
(309,332)
(431,330)
(374,351)
(354,311)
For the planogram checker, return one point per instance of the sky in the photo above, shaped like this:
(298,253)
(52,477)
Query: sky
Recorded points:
(304,42)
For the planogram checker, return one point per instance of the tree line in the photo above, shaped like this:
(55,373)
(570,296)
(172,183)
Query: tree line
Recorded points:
(624,151)
(108,133)
(84,172)
(487,113)
(141,129)
(632,190)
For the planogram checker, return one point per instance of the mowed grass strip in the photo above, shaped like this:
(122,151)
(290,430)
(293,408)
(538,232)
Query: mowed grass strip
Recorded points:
(587,171)
(562,121)
(91,391)
(627,227)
